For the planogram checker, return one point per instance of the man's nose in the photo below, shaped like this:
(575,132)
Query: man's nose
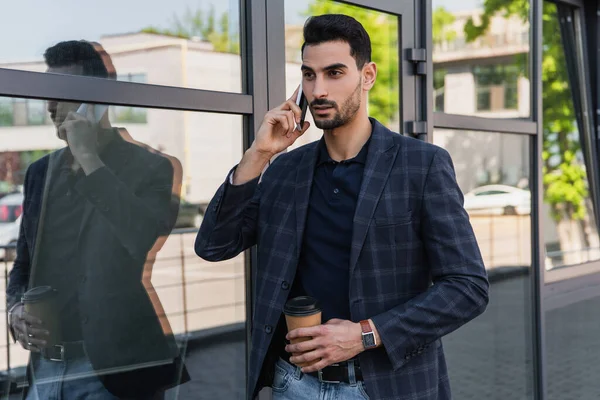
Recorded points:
(319,89)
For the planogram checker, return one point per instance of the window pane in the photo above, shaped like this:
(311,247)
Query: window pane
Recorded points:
(491,357)
(181,43)
(130,289)
(480,58)
(570,229)
(36,112)
(571,349)
(6,112)
(383,31)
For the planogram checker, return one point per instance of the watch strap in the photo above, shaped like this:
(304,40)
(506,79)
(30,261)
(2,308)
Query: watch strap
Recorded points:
(366,326)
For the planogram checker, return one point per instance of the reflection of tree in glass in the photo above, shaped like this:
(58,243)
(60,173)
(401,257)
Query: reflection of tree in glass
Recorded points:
(383,30)
(13,164)
(9,165)
(441,31)
(129,114)
(201,24)
(565,179)
(6,112)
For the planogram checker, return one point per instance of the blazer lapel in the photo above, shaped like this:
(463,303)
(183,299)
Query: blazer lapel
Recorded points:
(380,159)
(304,180)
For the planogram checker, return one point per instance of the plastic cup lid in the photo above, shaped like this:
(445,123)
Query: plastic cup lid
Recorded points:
(302,306)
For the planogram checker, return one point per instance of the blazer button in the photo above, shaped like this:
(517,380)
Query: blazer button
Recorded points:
(268,329)
(285,285)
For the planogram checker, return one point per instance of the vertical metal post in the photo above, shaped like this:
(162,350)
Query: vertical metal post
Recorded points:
(519,239)
(183,286)
(6,315)
(253,20)
(492,240)
(276,57)
(428,96)
(537,238)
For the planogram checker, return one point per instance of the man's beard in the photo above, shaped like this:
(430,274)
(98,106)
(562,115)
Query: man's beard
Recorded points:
(344,115)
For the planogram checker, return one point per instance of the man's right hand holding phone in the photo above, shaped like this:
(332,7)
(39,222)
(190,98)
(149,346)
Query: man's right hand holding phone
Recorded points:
(276,133)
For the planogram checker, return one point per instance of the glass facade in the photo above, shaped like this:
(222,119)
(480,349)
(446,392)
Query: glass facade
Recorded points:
(493,172)
(184,43)
(481,58)
(571,235)
(509,88)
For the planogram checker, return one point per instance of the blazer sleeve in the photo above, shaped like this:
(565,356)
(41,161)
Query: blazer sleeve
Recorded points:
(460,287)
(137,217)
(18,278)
(230,223)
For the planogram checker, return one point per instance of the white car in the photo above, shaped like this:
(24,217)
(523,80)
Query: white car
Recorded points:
(11,208)
(498,200)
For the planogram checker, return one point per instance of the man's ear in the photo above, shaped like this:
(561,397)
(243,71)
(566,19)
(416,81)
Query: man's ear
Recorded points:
(369,73)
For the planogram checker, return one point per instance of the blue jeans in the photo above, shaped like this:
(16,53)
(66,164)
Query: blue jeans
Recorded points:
(72,379)
(291,384)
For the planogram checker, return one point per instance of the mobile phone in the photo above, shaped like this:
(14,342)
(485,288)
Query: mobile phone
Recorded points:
(99,111)
(302,102)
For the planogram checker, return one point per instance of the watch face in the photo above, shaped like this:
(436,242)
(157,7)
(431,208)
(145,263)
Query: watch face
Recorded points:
(368,340)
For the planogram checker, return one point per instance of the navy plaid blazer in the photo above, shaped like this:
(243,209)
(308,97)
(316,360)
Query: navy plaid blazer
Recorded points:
(415,267)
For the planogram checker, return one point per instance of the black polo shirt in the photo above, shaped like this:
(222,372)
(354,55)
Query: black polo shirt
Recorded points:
(324,266)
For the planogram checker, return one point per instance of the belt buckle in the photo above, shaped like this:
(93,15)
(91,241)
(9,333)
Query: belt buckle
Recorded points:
(62,353)
(320,374)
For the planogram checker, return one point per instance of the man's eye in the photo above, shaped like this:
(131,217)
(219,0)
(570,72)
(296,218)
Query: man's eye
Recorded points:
(335,73)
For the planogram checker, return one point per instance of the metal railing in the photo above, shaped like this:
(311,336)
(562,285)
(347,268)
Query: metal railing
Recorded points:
(181,260)
(489,41)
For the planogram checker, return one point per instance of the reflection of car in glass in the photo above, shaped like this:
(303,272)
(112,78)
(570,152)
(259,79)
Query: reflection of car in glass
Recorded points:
(499,200)
(11,208)
(190,215)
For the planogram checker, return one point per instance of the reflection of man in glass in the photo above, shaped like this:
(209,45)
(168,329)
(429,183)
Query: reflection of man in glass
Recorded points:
(79,295)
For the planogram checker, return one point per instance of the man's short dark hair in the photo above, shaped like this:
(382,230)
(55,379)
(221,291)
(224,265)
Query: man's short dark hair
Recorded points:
(77,52)
(339,27)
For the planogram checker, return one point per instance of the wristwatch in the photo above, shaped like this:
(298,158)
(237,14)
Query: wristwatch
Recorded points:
(368,336)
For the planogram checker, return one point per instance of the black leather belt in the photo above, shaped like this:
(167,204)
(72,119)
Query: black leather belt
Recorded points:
(337,373)
(65,351)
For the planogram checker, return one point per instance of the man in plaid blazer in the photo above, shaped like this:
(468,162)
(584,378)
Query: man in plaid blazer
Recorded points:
(365,216)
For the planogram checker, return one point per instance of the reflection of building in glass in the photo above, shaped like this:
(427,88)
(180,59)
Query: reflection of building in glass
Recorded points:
(486,77)
(206,147)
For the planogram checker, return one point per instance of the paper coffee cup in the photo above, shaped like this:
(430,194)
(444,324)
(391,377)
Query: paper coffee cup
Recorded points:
(302,312)
(41,302)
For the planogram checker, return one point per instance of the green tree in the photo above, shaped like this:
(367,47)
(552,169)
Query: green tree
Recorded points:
(383,30)
(564,175)
(203,25)
(441,32)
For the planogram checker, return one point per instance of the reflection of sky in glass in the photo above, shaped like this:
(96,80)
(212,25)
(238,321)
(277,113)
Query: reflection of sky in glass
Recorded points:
(30,26)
